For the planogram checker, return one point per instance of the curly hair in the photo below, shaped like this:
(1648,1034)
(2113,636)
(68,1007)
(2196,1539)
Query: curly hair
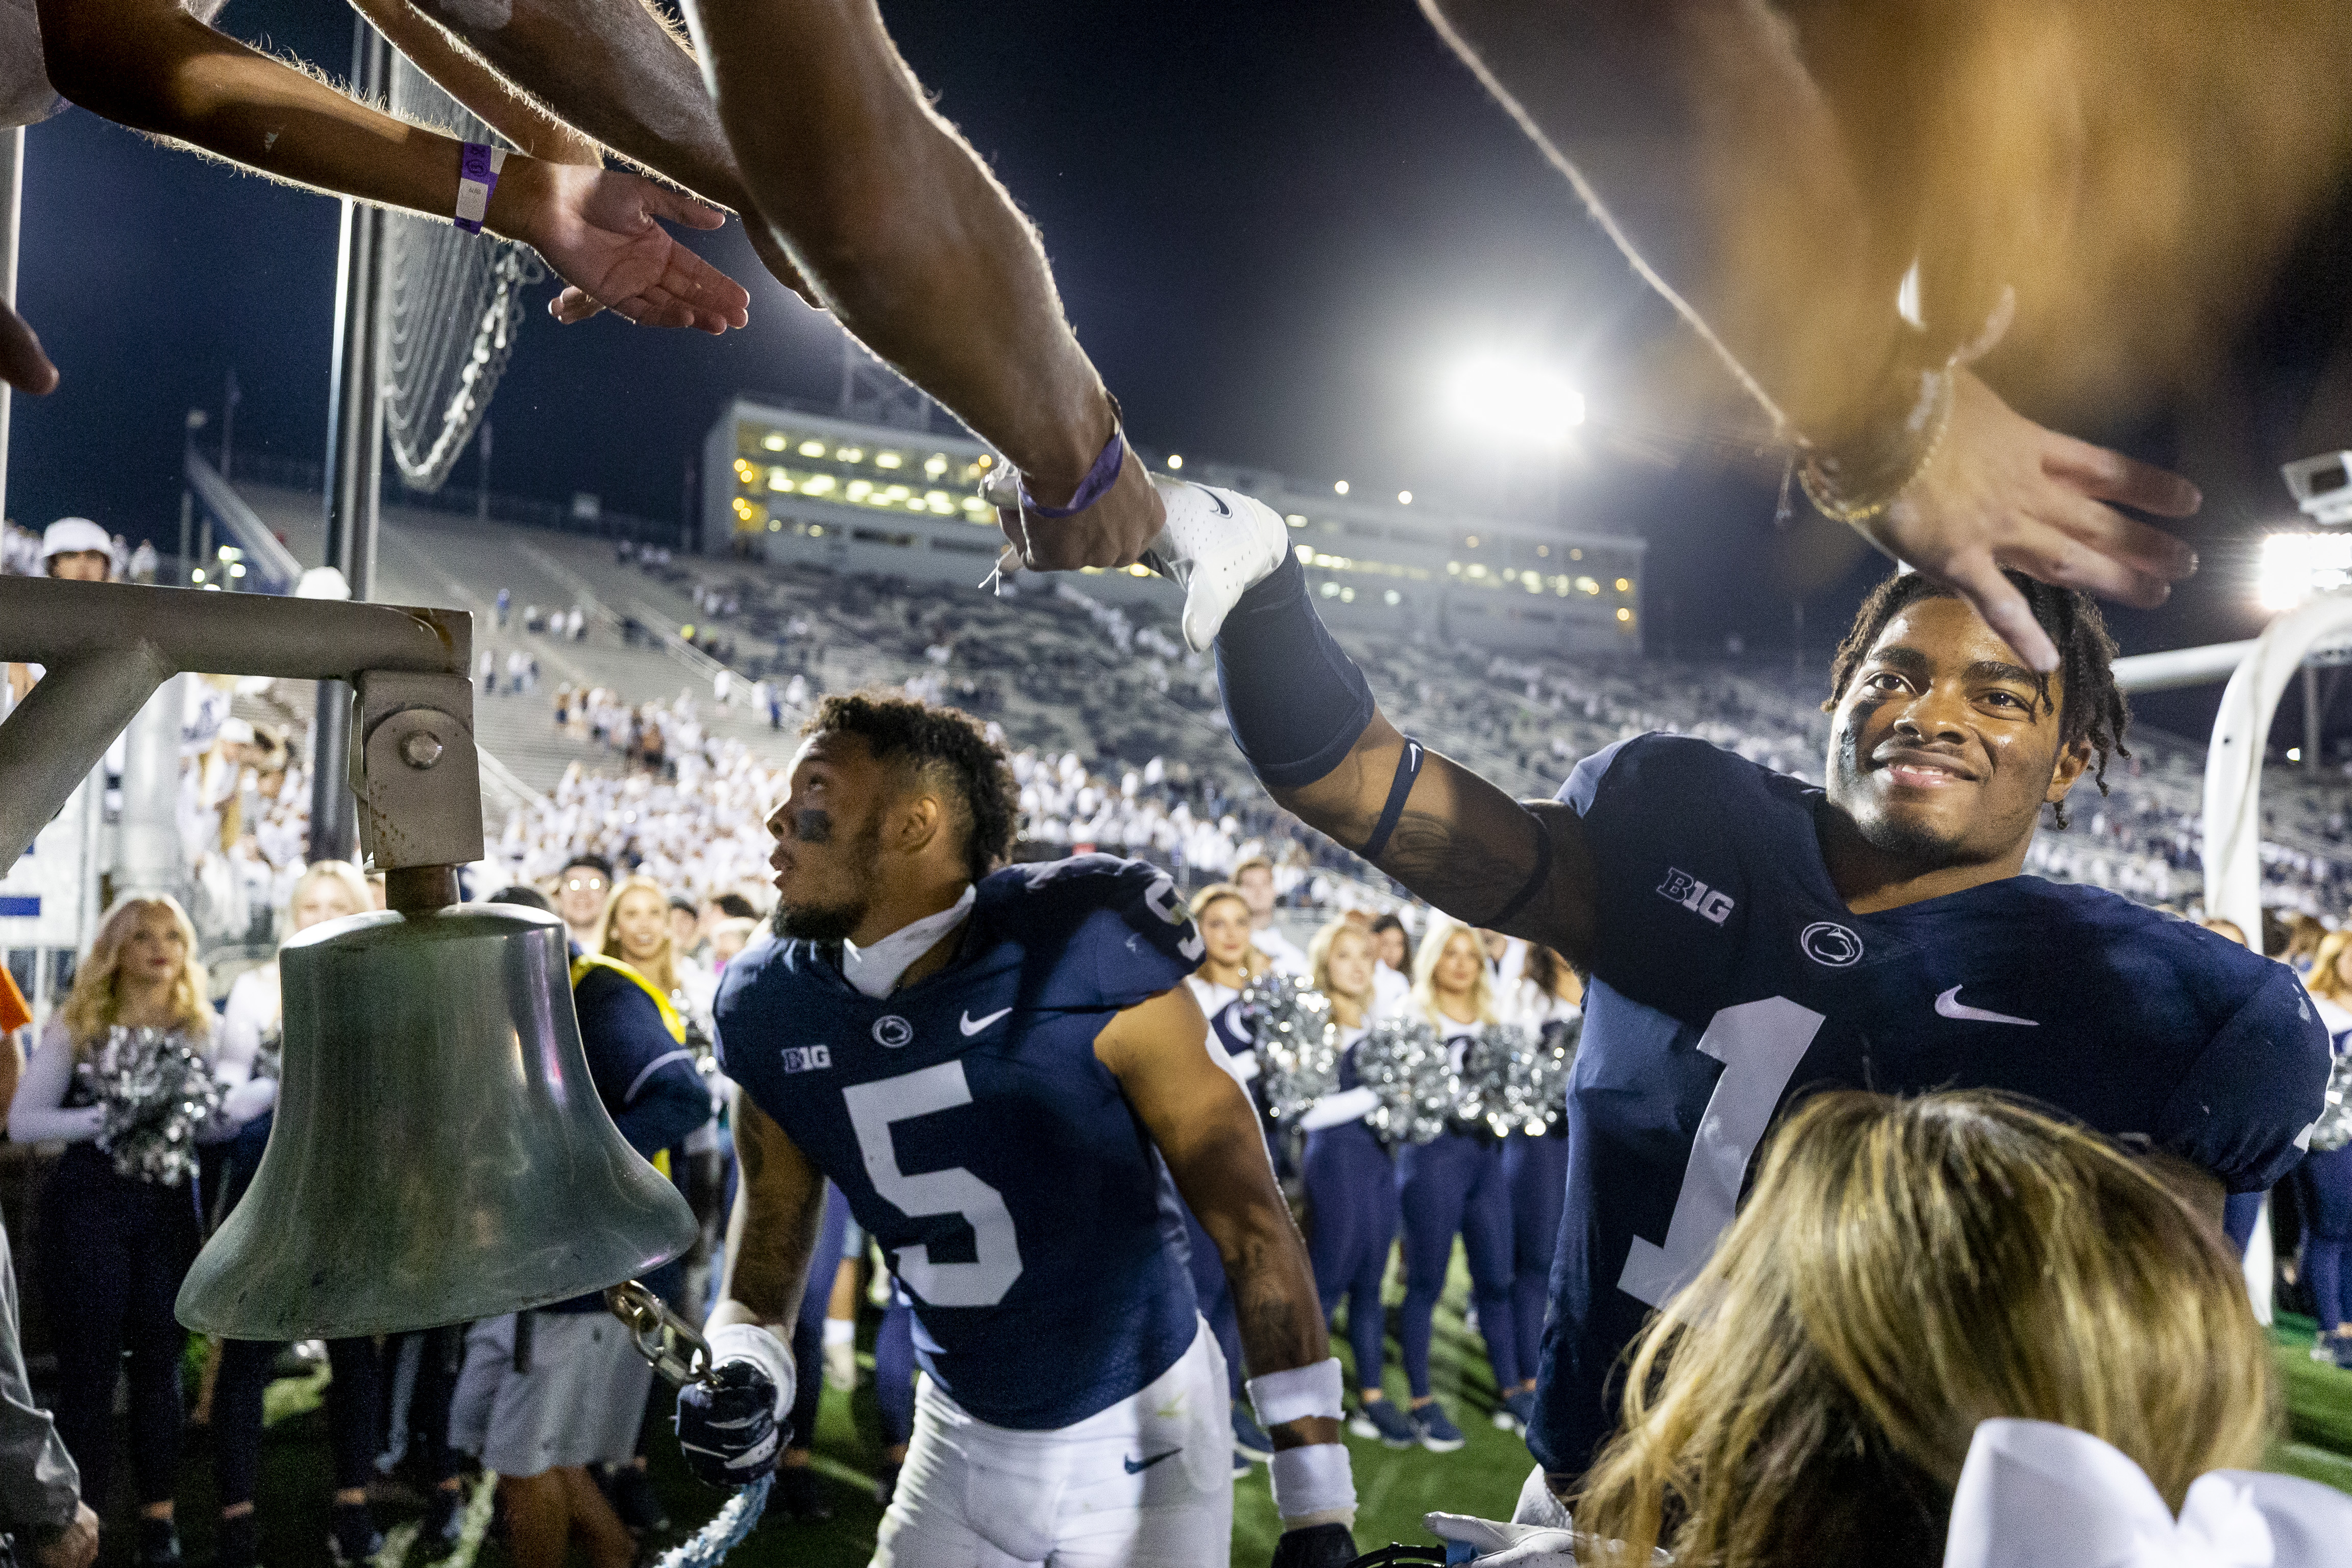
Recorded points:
(948,749)
(2090,706)
(96,1000)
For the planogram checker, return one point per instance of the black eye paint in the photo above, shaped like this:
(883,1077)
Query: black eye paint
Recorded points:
(812,826)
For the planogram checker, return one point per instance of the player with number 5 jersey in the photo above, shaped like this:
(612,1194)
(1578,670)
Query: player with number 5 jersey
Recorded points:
(1005,1074)
(1751,938)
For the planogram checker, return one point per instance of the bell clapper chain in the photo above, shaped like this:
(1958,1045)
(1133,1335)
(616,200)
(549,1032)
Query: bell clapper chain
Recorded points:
(680,1355)
(673,1346)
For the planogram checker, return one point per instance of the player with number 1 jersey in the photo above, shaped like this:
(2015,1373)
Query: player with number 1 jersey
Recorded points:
(1003,1071)
(1751,938)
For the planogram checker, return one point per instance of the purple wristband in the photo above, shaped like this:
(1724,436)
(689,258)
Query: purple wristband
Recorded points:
(1098,482)
(478,176)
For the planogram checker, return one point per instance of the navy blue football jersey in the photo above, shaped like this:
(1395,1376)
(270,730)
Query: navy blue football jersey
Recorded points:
(1729,976)
(968,1123)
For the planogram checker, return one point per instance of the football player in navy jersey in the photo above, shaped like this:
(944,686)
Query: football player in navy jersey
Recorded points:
(1000,1068)
(1750,937)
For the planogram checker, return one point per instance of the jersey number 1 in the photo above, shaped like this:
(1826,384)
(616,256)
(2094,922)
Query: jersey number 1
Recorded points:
(996,1255)
(1760,1045)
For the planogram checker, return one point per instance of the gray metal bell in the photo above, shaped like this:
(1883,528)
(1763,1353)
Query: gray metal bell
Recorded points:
(439,1154)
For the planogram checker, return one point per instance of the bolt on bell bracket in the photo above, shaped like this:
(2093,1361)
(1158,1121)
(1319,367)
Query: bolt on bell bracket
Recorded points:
(108,647)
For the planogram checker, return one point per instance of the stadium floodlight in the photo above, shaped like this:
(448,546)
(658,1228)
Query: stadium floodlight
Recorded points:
(2296,567)
(1516,400)
(2322,487)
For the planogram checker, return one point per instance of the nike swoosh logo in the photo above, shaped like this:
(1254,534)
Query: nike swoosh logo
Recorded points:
(1949,1006)
(1137,1467)
(1216,500)
(972,1026)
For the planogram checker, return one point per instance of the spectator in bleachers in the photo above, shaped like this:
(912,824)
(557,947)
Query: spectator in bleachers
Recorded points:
(77,550)
(635,931)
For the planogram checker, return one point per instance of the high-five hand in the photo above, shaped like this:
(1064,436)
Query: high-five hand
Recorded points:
(601,231)
(2004,491)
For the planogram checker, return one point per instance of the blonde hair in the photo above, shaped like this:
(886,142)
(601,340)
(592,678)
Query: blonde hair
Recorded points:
(343,874)
(1319,958)
(1904,1269)
(95,1001)
(1442,930)
(662,968)
(1253,962)
(2326,980)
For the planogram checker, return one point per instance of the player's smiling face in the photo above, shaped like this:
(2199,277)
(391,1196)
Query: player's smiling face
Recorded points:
(1943,749)
(828,835)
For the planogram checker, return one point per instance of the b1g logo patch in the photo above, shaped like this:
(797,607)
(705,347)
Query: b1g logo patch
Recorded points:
(1707,903)
(893,1031)
(1830,943)
(807,1058)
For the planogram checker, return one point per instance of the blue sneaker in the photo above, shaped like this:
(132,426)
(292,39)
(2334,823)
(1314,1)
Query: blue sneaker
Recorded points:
(1381,1419)
(1434,1428)
(1517,1413)
(1250,1441)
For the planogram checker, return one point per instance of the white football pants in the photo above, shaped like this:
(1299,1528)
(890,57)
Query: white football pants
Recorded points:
(1146,1483)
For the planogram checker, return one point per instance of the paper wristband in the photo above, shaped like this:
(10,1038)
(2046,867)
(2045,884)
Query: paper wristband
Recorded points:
(478,176)
(1314,1479)
(749,1342)
(1301,1391)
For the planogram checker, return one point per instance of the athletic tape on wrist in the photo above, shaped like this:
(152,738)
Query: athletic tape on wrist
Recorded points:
(1408,768)
(1297,1394)
(478,176)
(1314,1479)
(749,1342)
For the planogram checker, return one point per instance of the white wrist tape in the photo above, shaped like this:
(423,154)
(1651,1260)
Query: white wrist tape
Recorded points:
(839,1331)
(1300,1391)
(749,1342)
(1314,1485)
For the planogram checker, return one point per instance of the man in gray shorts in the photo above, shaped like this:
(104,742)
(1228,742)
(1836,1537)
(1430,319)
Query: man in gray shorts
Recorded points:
(545,1394)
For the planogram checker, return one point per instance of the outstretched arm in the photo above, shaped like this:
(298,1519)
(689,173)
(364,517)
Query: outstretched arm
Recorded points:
(1700,138)
(917,249)
(152,65)
(1304,718)
(1208,1132)
(463,76)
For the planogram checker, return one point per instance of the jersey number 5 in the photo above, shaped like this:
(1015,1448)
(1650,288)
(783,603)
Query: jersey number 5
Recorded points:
(1760,1045)
(996,1255)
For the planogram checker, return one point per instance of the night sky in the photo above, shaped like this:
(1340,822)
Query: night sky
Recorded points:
(1276,227)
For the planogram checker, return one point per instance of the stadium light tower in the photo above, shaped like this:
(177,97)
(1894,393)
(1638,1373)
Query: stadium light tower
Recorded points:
(1516,400)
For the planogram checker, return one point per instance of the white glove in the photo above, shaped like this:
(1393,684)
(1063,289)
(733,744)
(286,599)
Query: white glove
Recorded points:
(840,1354)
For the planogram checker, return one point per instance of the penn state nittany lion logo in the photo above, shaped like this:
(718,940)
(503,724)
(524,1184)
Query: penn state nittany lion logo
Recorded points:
(1828,942)
(893,1031)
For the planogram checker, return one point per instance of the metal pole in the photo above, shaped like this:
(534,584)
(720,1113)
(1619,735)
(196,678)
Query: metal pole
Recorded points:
(12,202)
(2310,717)
(152,857)
(482,496)
(354,475)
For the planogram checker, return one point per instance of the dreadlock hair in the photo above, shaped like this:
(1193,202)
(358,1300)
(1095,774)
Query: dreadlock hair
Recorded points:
(948,749)
(2091,707)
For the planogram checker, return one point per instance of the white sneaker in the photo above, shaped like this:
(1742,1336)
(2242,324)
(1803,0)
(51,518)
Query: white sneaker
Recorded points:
(1217,544)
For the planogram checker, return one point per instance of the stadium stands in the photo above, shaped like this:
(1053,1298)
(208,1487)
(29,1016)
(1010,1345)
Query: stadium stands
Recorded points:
(1121,735)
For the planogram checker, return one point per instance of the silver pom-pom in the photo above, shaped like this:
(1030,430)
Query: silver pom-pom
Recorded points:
(1536,1092)
(1297,1044)
(1491,1092)
(1403,1062)
(157,1092)
(2334,1128)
